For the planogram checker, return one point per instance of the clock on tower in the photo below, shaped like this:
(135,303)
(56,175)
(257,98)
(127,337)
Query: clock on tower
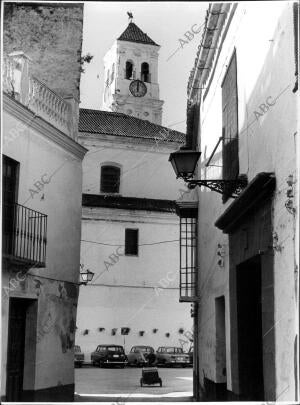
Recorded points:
(131,76)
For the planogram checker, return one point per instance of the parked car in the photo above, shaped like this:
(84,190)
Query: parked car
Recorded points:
(169,356)
(191,355)
(78,356)
(138,355)
(109,355)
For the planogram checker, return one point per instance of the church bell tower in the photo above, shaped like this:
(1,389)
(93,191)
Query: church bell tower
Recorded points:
(131,76)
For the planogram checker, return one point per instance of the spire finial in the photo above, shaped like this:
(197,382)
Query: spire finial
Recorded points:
(130,16)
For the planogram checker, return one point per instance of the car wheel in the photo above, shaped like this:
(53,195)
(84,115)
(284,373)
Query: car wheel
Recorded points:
(100,364)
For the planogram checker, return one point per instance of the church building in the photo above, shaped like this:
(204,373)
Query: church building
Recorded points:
(130,230)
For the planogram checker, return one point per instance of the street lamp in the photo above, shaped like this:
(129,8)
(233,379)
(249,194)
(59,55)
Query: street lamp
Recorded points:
(86,276)
(184,162)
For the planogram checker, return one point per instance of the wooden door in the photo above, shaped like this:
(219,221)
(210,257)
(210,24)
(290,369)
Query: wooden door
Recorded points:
(15,349)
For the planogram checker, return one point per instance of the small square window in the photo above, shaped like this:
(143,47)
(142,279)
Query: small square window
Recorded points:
(131,242)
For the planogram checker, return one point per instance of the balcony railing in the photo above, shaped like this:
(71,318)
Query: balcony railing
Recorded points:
(24,235)
(36,96)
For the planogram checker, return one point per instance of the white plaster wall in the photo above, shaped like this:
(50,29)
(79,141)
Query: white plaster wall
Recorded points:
(60,199)
(265,67)
(129,293)
(145,169)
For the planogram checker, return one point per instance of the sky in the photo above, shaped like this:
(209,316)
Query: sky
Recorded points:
(165,23)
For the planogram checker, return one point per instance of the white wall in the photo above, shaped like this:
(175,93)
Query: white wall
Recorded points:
(60,199)
(262,35)
(128,293)
(145,169)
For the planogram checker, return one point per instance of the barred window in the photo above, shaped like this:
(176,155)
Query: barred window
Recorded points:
(188,257)
(230,153)
(110,179)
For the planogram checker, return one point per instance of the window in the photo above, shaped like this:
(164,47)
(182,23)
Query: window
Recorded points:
(131,242)
(145,75)
(129,70)
(192,125)
(230,153)
(188,256)
(110,179)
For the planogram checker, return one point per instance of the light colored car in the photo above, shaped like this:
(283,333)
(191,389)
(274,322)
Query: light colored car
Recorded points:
(138,355)
(171,356)
(78,356)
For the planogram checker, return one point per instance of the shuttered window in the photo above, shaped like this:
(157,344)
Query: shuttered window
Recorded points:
(230,152)
(131,242)
(110,179)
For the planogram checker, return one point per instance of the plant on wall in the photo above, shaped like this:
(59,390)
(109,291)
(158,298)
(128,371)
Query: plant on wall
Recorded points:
(141,332)
(101,329)
(167,334)
(86,332)
(180,330)
(114,331)
(154,330)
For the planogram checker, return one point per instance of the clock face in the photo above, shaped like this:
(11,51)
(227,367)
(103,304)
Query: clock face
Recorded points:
(137,88)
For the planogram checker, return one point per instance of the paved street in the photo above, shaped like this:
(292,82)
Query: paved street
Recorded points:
(96,384)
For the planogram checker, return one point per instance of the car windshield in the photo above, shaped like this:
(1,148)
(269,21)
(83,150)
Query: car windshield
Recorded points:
(77,349)
(144,349)
(172,350)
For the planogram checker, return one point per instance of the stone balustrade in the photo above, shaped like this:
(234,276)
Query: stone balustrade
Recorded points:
(47,104)
(36,96)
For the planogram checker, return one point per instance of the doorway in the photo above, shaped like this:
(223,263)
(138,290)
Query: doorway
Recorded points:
(220,340)
(16,348)
(249,317)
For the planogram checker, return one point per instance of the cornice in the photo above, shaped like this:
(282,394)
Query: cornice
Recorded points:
(144,144)
(94,214)
(53,134)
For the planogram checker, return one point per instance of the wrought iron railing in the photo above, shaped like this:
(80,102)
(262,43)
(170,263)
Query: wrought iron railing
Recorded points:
(24,235)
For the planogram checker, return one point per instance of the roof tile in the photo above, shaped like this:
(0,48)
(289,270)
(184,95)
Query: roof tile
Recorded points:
(134,34)
(118,124)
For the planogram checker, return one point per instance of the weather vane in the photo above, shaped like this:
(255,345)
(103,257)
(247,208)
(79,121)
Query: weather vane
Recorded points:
(130,16)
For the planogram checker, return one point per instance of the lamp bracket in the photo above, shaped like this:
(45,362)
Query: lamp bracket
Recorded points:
(221,186)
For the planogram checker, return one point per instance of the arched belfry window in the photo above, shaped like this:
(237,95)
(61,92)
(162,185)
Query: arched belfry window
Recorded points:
(129,70)
(145,74)
(110,179)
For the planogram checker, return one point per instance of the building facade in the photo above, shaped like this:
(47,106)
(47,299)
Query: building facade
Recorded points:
(42,186)
(130,230)
(130,235)
(244,121)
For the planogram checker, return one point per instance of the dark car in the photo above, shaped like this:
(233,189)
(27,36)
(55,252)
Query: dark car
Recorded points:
(171,356)
(78,356)
(191,355)
(109,355)
(138,355)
